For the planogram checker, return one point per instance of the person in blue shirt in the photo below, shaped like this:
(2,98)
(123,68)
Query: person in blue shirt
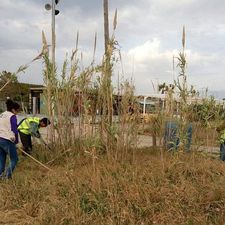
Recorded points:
(8,138)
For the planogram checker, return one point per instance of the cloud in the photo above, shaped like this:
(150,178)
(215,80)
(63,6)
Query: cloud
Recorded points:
(148,31)
(151,65)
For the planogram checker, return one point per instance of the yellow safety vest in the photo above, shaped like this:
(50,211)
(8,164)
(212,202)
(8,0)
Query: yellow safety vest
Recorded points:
(24,127)
(222,137)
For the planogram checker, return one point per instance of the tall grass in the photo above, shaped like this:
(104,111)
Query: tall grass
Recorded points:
(81,103)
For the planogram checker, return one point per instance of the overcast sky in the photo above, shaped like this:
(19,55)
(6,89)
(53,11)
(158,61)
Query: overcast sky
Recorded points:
(149,33)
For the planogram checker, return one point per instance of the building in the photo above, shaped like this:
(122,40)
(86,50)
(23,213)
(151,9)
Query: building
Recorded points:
(36,100)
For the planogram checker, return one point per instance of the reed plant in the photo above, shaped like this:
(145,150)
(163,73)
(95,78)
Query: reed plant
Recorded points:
(81,103)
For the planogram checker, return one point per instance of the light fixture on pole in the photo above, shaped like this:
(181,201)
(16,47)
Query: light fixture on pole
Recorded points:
(49,7)
(55,12)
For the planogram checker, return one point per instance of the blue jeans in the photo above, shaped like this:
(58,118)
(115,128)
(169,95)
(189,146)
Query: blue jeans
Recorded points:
(171,136)
(188,137)
(222,151)
(7,147)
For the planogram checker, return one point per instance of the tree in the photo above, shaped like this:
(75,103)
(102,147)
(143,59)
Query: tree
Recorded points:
(164,88)
(14,90)
(5,76)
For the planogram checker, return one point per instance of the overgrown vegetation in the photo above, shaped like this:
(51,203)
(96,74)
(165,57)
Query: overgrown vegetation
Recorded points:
(88,94)
(98,175)
(142,189)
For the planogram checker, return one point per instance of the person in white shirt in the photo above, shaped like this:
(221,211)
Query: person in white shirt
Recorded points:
(8,138)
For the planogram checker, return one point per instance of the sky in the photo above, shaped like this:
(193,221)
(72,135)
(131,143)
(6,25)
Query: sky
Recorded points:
(149,35)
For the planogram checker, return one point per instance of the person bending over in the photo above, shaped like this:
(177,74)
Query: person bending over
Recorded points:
(30,127)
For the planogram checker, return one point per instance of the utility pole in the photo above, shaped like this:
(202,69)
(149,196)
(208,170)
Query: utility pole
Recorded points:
(106,25)
(50,100)
(53,35)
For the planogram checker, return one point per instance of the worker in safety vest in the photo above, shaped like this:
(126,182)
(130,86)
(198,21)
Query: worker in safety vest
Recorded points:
(30,127)
(221,130)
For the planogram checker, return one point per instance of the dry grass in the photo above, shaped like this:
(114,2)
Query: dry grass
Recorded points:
(142,189)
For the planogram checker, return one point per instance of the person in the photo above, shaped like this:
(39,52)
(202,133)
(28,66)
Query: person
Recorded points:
(30,127)
(172,139)
(221,130)
(8,138)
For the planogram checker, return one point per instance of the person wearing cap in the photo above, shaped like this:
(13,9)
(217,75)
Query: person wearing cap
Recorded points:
(29,127)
